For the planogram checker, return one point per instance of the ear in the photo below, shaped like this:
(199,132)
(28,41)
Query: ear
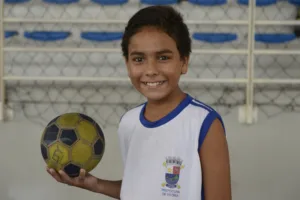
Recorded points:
(185,64)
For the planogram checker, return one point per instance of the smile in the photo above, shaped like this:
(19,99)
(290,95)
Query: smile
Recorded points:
(152,84)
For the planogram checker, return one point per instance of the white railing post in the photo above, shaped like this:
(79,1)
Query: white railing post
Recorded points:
(251,42)
(2,83)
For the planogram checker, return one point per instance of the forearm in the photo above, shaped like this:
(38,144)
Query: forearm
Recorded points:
(108,188)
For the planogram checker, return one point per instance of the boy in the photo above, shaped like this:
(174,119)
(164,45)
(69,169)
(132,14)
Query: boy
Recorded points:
(173,146)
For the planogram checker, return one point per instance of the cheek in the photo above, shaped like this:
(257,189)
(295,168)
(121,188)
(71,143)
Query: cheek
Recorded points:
(173,74)
(134,73)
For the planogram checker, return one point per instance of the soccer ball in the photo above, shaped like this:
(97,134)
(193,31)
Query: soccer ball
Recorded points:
(72,141)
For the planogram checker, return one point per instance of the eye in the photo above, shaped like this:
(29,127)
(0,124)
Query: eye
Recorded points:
(163,57)
(138,59)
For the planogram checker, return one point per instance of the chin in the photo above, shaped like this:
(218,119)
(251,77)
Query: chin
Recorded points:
(155,96)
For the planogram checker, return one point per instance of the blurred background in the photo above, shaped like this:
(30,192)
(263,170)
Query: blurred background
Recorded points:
(59,56)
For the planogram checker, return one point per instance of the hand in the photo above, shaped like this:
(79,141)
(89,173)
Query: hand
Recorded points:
(84,180)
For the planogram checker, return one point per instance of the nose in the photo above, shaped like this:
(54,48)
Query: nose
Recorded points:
(151,68)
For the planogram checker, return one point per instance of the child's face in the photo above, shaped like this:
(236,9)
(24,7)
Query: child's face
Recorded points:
(154,64)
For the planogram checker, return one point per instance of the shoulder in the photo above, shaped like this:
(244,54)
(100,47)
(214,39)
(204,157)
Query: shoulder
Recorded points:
(204,109)
(131,116)
(209,118)
(201,107)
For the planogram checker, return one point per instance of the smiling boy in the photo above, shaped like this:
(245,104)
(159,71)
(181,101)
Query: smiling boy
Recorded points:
(173,146)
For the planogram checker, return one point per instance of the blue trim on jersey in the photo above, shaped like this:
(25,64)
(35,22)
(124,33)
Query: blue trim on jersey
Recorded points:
(202,105)
(210,118)
(212,115)
(202,192)
(183,104)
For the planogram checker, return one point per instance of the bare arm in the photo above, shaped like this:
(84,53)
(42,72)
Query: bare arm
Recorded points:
(214,157)
(109,188)
(89,182)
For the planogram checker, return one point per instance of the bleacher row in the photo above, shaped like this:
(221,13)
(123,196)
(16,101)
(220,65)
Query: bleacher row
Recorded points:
(162,2)
(52,36)
(107,36)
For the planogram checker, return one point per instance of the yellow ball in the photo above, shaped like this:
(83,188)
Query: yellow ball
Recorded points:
(71,142)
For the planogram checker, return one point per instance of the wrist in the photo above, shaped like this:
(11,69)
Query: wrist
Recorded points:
(98,187)
(91,184)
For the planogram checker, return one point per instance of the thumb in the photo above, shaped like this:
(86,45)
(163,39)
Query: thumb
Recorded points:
(82,174)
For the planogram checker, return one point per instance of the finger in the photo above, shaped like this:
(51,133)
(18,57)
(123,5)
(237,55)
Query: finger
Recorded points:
(55,175)
(82,174)
(65,177)
(48,170)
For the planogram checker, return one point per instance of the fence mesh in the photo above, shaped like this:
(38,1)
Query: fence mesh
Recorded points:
(86,9)
(106,103)
(66,64)
(273,100)
(40,101)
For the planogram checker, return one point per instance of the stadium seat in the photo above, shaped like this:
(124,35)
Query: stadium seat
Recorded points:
(274,38)
(8,34)
(110,2)
(159,2)
(259,2)
(15,1)
(294,2)
(208,2)
(215,37)
(102,36)
(61,1)
(46,36)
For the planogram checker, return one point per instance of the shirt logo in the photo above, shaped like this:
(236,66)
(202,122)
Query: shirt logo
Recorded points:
(173,167)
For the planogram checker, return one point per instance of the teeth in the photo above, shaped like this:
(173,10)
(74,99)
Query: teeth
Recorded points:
(154,84)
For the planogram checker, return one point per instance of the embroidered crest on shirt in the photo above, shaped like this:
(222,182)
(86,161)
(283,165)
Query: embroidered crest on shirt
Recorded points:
(173,167)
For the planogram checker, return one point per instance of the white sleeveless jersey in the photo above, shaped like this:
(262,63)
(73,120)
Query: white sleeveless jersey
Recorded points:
(161,159)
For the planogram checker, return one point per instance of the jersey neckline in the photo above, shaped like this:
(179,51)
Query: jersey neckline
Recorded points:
(171,115)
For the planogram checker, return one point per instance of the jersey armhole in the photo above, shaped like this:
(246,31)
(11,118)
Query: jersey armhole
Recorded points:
(206,125)
(203,132)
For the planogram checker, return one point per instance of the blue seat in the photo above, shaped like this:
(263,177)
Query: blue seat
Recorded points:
(159,2)
(274,38)
(259,2)
(294,2)
(61,1)
(208,2)
(15,1)
(102,36)
(215,37)
(110,2)
(47,36)
(8,34)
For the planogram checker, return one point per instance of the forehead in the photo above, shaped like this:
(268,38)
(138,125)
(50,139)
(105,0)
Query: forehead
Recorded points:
(151,40)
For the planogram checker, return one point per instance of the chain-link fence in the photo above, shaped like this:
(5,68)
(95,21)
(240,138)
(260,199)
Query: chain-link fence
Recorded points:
(75,54)
(106,103)
(66,64)
(274,100)
(90,10)
(275,33)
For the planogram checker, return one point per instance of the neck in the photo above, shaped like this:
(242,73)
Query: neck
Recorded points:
(158,109)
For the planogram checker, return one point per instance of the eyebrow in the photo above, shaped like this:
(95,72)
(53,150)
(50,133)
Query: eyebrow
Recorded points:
(158,52)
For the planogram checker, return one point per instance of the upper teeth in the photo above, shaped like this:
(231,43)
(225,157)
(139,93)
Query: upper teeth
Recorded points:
(154,83)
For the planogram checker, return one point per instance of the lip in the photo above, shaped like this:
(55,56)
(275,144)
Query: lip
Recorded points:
(152,81)
(145,83)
